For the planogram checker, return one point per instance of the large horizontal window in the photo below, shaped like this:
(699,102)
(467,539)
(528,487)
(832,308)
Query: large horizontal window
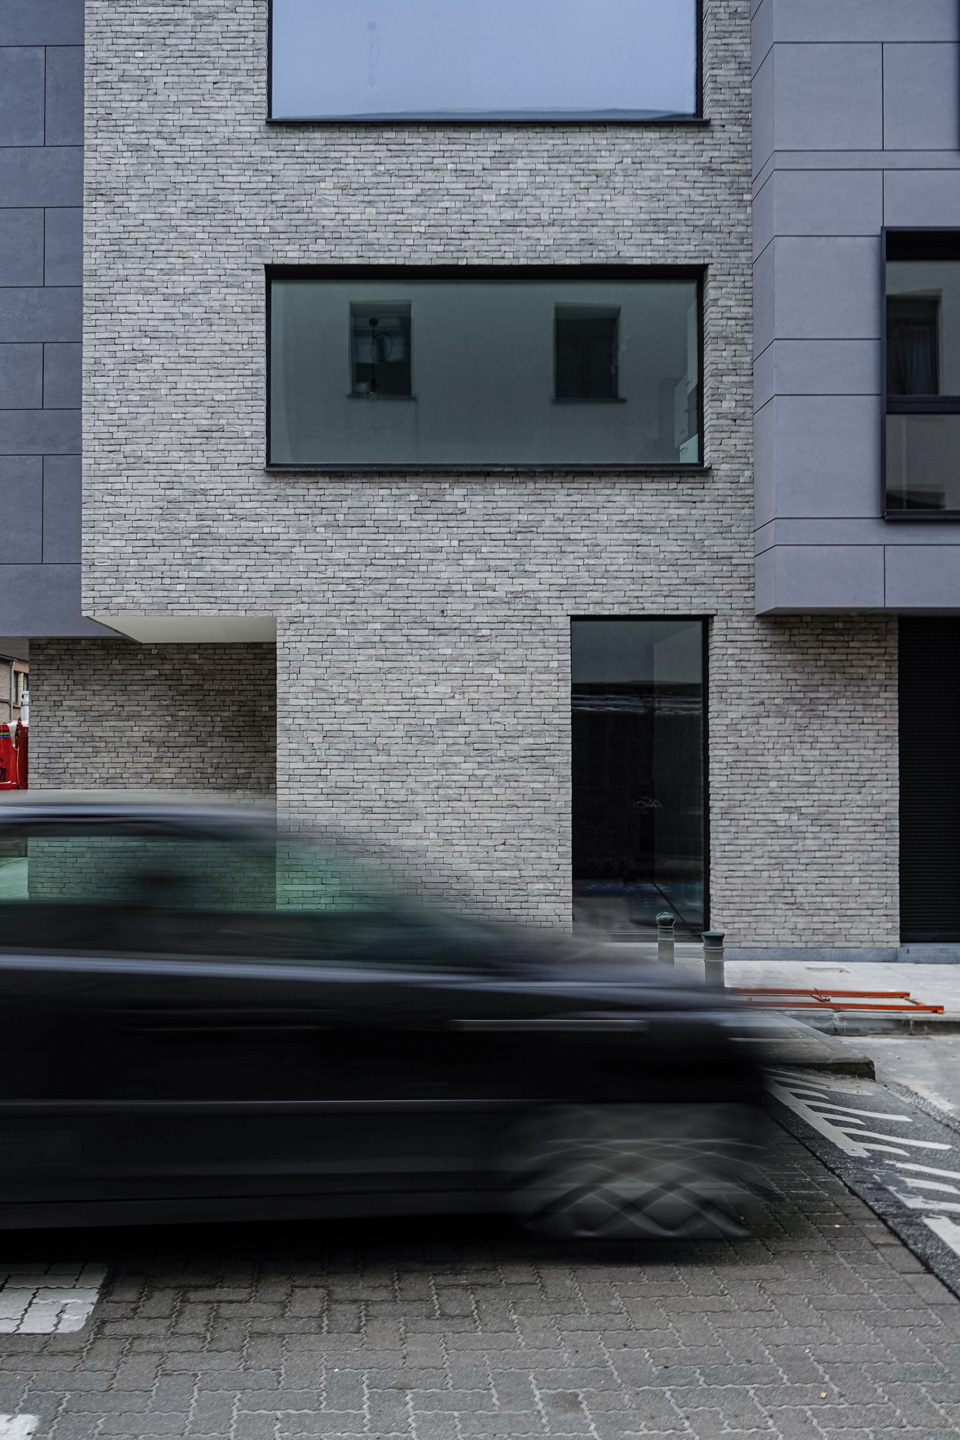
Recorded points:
(922,375)
(402,368)
(483,59)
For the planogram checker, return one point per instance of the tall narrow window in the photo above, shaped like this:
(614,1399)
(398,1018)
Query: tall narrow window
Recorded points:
(922,376)
(587,340)
(638,774)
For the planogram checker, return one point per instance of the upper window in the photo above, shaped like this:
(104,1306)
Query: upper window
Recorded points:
(922,439)
(402,368)
(483,59)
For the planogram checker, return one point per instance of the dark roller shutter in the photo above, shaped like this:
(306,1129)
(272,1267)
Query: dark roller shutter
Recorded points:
(930,780)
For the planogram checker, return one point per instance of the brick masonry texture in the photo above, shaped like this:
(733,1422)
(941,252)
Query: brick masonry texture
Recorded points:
(423,623)
(111,713)
(823,1326)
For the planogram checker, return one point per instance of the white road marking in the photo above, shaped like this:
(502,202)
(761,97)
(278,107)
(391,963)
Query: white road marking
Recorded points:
(849,1110)
(17,1427)
(819,1122)
(903,1140)
(929,1184)
(929,1170)
(47,1301)
(923,1202)
(947,1229)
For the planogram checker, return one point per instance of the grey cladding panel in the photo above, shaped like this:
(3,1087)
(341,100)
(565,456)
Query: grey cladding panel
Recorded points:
(826,454)
(41,22)
(39,432)
(827,97)
(762,130)
(21,95)
(61,509)
(922,197)
(36,313)
(832,20)
(921,97)
(21,497)
(818,367)
(923,576)
(21,247)
(21,377)
(824,577)
(827,289)
(42,175)
(64,95)
(44,600)
(61,376)
(826,202)
(63,247)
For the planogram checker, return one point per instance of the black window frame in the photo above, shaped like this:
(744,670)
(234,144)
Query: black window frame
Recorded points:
(706,628)
(696,118)
(501,273)
(936,235)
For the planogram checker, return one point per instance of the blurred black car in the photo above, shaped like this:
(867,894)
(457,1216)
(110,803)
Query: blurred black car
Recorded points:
(206,1019)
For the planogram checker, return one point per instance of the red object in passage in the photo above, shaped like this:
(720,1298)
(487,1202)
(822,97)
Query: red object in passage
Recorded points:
(833,999)
(20,739)
(8,760)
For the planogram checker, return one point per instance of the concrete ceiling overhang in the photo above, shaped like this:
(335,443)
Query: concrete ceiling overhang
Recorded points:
(173,629)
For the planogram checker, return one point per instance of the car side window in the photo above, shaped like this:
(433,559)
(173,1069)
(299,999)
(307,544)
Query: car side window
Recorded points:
(130,890)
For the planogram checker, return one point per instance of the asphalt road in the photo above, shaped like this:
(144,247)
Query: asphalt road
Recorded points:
(822,1325)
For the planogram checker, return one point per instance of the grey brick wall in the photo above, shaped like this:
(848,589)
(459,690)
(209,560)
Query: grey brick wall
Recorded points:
(423,625)
(110,714)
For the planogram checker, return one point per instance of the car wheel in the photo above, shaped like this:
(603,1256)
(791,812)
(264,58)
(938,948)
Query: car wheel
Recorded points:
(632,1172)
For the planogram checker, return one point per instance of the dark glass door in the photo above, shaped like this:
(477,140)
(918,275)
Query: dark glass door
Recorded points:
(930,780)
(638,774)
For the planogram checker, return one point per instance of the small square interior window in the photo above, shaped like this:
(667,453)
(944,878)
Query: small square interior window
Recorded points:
(587,352)
(380,349)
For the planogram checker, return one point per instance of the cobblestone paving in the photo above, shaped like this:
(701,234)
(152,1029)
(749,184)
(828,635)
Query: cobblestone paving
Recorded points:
(822,1325)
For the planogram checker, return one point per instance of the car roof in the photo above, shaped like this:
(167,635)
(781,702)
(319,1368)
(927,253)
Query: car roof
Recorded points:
(171,807)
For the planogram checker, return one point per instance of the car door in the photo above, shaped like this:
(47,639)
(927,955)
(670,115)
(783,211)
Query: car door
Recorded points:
(174,1036)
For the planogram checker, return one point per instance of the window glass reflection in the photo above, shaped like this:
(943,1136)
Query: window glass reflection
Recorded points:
(638,766)
(492,369)
(923,327)
(512,59)
(923,462)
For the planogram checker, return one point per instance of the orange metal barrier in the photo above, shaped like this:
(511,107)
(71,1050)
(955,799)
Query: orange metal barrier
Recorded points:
(833,999)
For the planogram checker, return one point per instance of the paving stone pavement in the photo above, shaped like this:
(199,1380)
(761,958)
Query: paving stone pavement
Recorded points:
(821,1325)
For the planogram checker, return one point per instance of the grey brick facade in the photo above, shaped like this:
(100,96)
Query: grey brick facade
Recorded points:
(423,624)
(114,715)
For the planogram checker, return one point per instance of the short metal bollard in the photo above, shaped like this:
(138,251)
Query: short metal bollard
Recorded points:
(665,949)
(713,958)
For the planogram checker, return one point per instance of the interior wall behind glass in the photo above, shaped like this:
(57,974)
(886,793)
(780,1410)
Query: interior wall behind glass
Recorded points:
(483,373)
(522,59)
(936,282)
(638,774)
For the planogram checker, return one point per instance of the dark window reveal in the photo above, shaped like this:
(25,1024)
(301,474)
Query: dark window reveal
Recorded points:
(922,378)
(587,341)
(483,59)
(492,365)
(639,843)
